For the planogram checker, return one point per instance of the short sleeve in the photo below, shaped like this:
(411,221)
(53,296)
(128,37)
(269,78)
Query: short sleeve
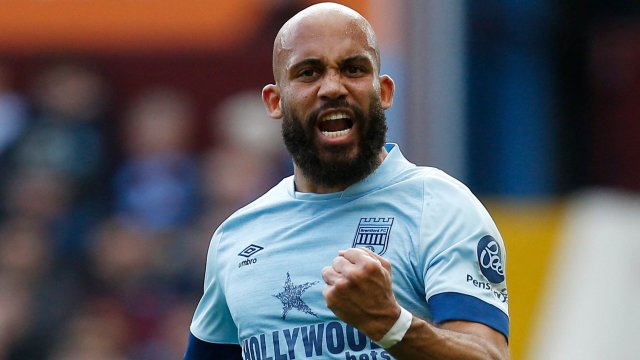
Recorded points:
(212,321)
(464,257)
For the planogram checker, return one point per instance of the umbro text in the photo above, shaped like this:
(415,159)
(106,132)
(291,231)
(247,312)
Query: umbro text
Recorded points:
(247,262)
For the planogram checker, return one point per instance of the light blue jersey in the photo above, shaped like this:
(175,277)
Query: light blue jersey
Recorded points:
(263,282)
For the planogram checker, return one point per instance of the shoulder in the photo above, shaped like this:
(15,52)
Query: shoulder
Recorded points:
(438,181)
(434,184)
(441,188)
(450,203)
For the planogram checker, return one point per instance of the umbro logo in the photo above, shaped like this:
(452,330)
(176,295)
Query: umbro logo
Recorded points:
(250,250)
(247,253)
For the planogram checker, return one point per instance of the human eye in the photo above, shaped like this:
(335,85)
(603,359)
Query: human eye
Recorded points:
(307,74)
(354,70)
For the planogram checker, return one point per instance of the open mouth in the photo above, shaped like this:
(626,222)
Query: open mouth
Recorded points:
(336,124)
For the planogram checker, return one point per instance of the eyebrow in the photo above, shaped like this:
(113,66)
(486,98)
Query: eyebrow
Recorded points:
(316,62)
(362,60)
(306,62)
(356,59)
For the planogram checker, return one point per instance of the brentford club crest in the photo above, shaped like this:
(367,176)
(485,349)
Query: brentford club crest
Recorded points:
(373,234)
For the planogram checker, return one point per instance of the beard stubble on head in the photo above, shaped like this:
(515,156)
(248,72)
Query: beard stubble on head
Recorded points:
(339,169)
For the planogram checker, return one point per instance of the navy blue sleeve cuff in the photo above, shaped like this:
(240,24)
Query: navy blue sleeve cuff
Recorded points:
(455,306)
(202,350)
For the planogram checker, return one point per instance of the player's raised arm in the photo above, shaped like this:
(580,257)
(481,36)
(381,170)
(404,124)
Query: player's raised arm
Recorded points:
(356,274)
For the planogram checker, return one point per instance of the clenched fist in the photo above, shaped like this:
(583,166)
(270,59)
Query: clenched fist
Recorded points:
(359,291)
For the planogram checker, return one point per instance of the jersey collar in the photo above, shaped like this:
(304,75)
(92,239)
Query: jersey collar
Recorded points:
(391,166)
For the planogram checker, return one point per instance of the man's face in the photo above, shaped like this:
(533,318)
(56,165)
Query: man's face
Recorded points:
(330,99)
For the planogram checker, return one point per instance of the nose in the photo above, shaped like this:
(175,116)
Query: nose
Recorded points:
(331,86)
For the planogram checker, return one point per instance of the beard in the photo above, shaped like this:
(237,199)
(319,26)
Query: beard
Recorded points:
(338,168)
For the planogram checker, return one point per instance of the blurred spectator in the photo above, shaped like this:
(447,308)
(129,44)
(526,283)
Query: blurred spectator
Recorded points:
(140,273)
(15,304)
(247,159)
(170,341)
(156,185)
(40,194)
(25,251)
(66,132)
(231,177)
(46,197)
(98,331)
(242,120)
(12,112)
(122,257)
(25,265)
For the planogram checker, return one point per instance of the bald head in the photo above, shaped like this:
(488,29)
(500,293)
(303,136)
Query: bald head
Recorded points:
(324,19)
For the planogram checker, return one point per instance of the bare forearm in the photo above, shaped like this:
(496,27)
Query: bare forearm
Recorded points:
(357,273)
(425,341)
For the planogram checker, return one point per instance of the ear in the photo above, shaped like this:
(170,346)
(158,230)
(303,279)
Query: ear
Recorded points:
(387,87)
(271,100)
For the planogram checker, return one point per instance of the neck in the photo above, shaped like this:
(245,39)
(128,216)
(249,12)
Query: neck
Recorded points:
(306,185)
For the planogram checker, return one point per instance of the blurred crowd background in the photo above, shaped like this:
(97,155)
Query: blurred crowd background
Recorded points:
(129,130)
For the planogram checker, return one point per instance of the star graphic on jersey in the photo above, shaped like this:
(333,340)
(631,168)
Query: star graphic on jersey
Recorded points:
(290,297)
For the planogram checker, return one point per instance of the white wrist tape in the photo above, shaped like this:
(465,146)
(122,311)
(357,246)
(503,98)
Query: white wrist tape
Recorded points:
(397,331)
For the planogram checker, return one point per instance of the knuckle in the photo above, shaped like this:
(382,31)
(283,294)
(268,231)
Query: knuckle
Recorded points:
(325,271)
(370,267)
(356,278)
(343,284)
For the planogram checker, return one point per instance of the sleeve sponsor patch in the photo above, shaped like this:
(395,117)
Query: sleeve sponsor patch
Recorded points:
(490,259)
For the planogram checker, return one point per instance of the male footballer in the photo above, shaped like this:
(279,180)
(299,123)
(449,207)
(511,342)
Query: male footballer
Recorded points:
(360,255)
